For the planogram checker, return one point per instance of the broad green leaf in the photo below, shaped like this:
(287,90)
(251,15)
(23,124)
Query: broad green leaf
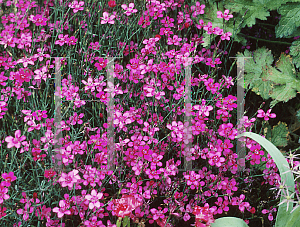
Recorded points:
(267,132)
(273,4)
(254,67)
(282,215)
(294,219)
(283,92)
(295,52)
(290,19)
(279,134)
(229,222)
(281,82)
(285,65)
(262,57)
(255,10)
(262,88)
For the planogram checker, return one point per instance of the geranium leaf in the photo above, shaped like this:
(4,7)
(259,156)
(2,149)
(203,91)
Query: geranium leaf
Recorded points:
(290,19)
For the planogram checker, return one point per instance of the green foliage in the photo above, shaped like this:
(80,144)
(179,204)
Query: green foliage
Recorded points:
(211,10)
(280,83)
(253,9)
(294,219)
(283,218)
(283,215)
(290,19)
(277,135)
(295,52)
(229,222)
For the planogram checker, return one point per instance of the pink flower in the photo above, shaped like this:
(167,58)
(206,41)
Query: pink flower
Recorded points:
(63,39)
(28,209)
(226,36)
(3,195)
(76,6)
(101,64)
(112,4)
(62,210)
(197,9)
(39,20)
(15,142)
(9,177)
(226,15)
(94,198)
(193,179)
(107,19)
(216,159)
(165,31)
(208,28)
(210,86)
(158,213)
(129,9)
(264,115)
(69,179)
(270,216)
(124,206)
(71,41)
(203,214)
(200,25)
(239,201)
(174,41)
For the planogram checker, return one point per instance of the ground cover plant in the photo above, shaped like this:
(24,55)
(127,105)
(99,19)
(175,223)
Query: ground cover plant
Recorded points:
(158,53)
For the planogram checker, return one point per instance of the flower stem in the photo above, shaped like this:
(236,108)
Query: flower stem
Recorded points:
(265,40)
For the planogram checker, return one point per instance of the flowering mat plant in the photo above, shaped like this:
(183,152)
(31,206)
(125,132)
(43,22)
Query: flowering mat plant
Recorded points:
(173,118)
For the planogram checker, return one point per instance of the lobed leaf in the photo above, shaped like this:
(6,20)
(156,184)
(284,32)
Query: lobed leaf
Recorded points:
(290,19)
(295,52)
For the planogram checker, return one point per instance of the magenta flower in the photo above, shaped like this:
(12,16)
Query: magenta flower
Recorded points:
(94,198)
(3,194)
(175,41)
(193,179)
(124,206)
(129,9)
(71,41)
(15,142)
(208,28)
(239,202)
(76,6)
(39,20)
(69,179)
(215,159)
(62,39)
(264,115)
(62,210)
(28,209)
(107,19)
(226,15)
(198,9)
(9,177)
(158,213)
(2,212)
(101,64)
(226,36)
(270,216)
